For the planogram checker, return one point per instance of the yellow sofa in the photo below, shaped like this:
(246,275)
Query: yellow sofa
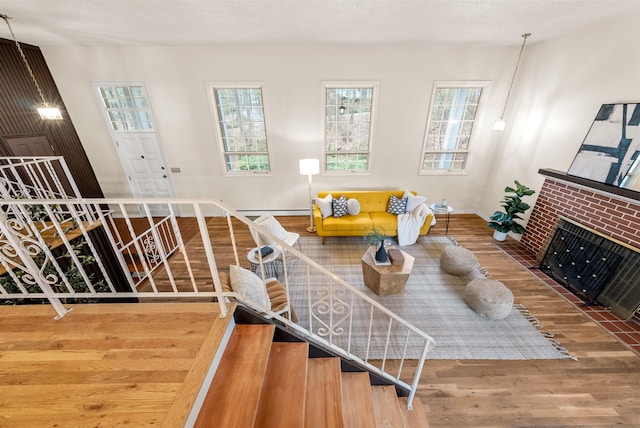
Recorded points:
(373,213)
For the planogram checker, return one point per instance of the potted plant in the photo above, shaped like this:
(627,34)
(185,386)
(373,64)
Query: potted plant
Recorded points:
(505,222)
(376,238)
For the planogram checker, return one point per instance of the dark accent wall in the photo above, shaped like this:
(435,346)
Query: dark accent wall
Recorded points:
(18,116)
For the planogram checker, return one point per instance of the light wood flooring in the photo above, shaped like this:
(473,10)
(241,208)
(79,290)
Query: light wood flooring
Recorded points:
(104,365)
(84,370)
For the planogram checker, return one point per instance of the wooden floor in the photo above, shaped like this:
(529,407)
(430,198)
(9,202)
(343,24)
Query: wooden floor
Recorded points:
(111,365)
(104,365)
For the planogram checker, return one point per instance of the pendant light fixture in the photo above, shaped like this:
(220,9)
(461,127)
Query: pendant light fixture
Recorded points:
(45,111)
(500,124)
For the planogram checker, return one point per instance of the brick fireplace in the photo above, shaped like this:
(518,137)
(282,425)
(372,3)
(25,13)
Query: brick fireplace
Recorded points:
(589,203)
(606,210)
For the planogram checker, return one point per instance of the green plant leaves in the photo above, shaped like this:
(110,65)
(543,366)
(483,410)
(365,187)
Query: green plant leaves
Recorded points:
(513,205)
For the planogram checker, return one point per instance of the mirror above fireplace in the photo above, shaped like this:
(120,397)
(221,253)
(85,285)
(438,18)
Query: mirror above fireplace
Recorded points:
(610,152)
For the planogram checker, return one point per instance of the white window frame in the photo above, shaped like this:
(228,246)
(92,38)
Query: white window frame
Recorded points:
(452,84)
(372,119)
(211,88)
(133,110)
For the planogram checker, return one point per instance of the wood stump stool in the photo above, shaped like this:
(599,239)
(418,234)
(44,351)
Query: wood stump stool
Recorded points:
(457,260)
(489,297)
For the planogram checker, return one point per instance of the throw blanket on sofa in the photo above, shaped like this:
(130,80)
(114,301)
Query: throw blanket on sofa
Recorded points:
(409,225)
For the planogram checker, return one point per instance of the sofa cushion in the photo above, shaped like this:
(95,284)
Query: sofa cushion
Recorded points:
(413,201)
(272,225)
(397,205)
(353,206)
(358,222)
(387,221)
(226,282)
(324,204)
(370,200)
(339,206)
(249,285)
(278,296)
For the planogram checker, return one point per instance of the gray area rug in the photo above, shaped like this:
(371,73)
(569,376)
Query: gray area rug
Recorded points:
(432,301)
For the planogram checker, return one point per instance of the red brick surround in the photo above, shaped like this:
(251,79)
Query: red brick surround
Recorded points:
(606,213)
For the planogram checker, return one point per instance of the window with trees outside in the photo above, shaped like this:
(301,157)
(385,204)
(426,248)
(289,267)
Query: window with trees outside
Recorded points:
(127,107)
(348,124)
(449,129)
(242,128)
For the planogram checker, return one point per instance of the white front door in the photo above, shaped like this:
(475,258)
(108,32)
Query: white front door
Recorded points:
(146,171)
(128,113)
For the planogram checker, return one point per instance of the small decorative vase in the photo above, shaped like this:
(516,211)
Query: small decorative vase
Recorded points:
(381,253)
(499,236)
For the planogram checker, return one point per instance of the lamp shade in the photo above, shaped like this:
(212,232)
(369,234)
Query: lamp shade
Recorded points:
(499,125)
(50,113)
(309,166)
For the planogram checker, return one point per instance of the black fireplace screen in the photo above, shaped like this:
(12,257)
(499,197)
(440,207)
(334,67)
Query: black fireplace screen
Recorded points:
(581,261)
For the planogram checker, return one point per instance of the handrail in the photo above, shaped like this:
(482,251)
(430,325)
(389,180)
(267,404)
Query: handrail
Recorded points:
(331,318)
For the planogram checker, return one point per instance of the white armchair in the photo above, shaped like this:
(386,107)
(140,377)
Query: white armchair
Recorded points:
(270,223)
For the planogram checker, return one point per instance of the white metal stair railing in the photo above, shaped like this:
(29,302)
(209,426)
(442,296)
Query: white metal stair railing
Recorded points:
(43,177)
(174,260)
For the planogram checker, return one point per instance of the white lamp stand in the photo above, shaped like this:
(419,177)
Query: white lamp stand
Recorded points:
(310,167)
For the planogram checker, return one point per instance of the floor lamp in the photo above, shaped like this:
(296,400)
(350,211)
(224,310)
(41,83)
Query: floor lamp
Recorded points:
(310,167)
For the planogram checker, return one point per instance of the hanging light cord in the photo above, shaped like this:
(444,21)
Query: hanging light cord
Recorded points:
(24,59)
(506,101)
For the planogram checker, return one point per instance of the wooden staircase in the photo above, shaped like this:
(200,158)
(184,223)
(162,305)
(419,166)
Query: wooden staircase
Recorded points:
(261,383)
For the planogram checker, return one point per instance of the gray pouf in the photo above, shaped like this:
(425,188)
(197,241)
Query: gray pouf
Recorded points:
(489,297)
(458,260)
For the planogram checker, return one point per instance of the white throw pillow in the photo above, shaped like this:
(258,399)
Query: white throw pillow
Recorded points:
(353,206)
(325,205)
(249,286)
(274,226)
(413,201)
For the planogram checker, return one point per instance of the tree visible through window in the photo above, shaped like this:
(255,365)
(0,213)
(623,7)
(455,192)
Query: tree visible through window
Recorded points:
(451,120)
(127,107)
(242,126)
(348,128)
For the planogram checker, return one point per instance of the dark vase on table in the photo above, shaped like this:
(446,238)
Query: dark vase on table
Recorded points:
(381,253)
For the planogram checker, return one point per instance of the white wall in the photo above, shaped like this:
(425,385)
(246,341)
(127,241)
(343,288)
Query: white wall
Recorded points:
(176,78)
(560,86)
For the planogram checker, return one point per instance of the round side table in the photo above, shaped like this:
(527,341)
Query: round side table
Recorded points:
(270,262)
(442,209)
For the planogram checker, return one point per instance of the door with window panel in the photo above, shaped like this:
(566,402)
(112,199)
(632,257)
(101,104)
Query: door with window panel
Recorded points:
(130,120)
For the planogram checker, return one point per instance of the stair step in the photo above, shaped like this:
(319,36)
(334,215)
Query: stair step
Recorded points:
(234,394)
(415,418)
(386,407)
(282,401)
(323,406)
(357,401)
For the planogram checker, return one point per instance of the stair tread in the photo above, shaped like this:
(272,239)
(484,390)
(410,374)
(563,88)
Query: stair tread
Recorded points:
(415,418)
(357,401)
(386,407)
(238,379)
(323,407)
(282,401)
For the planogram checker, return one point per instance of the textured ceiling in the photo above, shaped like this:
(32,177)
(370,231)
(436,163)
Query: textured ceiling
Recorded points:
(211,22)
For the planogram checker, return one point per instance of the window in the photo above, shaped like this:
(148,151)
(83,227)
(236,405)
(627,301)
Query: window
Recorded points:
(348,124)
(242,126)
(449,129)
(127,107)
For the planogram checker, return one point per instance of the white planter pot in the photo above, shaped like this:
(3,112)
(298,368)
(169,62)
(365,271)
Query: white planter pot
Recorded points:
(499,236)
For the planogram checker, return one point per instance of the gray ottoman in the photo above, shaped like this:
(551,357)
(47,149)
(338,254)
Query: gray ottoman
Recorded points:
(489,297)
(458,260)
